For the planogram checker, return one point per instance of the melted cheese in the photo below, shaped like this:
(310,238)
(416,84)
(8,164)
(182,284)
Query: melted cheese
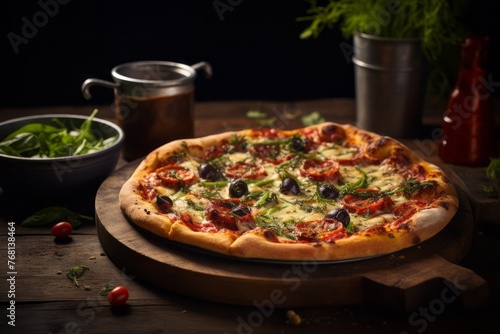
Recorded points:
(301,208)
(192,205)
(337,151)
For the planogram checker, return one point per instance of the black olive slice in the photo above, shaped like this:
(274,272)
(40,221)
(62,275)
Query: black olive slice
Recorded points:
(240,211)
(238,188)
(209,172)
(164,202)
(289,186)
(328,191)
(340,215)
(298,145)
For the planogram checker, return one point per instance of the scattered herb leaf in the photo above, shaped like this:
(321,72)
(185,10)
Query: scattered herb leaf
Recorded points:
(194,206)
(411,186)
(211,194)
(351,188)
(267,197)
(77,272)
(266,122)
(350,228)
(261,118)
(281,228)
(312,119)
(106,289)
(263,183)
(53,214)
(256,114)
(487,188)
(493,169)
(213,184)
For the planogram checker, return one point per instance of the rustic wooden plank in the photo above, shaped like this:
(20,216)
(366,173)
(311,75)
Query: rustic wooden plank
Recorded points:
(334,109)
(42,263)
(193,316)
(483,192)
(91,316)
(203,110)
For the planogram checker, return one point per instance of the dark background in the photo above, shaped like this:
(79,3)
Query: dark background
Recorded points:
(254,48)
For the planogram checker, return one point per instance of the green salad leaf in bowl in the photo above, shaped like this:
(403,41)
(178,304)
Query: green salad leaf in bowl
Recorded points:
(58,154)
(39,140)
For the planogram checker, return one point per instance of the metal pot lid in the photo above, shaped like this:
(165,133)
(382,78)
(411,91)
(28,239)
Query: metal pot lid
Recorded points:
(154,73)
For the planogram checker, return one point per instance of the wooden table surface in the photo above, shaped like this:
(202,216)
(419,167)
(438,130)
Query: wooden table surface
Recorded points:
(46,301)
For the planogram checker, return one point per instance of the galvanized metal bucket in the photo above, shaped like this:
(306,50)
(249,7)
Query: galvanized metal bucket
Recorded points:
(390,85)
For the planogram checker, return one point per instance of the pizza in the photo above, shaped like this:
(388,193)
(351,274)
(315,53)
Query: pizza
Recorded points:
(327,192)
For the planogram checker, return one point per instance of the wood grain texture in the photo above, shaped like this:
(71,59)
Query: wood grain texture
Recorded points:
(212,277)
(483,193)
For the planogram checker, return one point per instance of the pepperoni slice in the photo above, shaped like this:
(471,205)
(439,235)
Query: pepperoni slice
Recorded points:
(245,170)
(341,233)
(230,214)
(213,152)
(360,160)
(236,144)
(320,170)
(315,230)
(174,176)
(147,188)
(404,211)
(362,204)
(265,151)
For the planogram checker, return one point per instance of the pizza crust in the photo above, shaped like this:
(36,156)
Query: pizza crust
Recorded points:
(256,243)
(359,246)
(141,212)
(215,242)
(427,223)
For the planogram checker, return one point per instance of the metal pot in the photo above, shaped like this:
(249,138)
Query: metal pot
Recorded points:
(149,78)
(154,102)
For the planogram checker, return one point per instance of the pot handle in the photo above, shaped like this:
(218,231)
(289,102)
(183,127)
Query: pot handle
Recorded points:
(204,66)
(91,81)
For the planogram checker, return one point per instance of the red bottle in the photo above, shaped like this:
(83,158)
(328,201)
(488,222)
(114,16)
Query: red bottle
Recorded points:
(468,127)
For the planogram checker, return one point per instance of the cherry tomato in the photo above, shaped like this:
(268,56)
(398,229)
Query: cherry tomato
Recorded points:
(118,296)
(61,230)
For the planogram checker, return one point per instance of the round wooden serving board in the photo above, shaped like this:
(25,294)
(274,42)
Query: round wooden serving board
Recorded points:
(405,280)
